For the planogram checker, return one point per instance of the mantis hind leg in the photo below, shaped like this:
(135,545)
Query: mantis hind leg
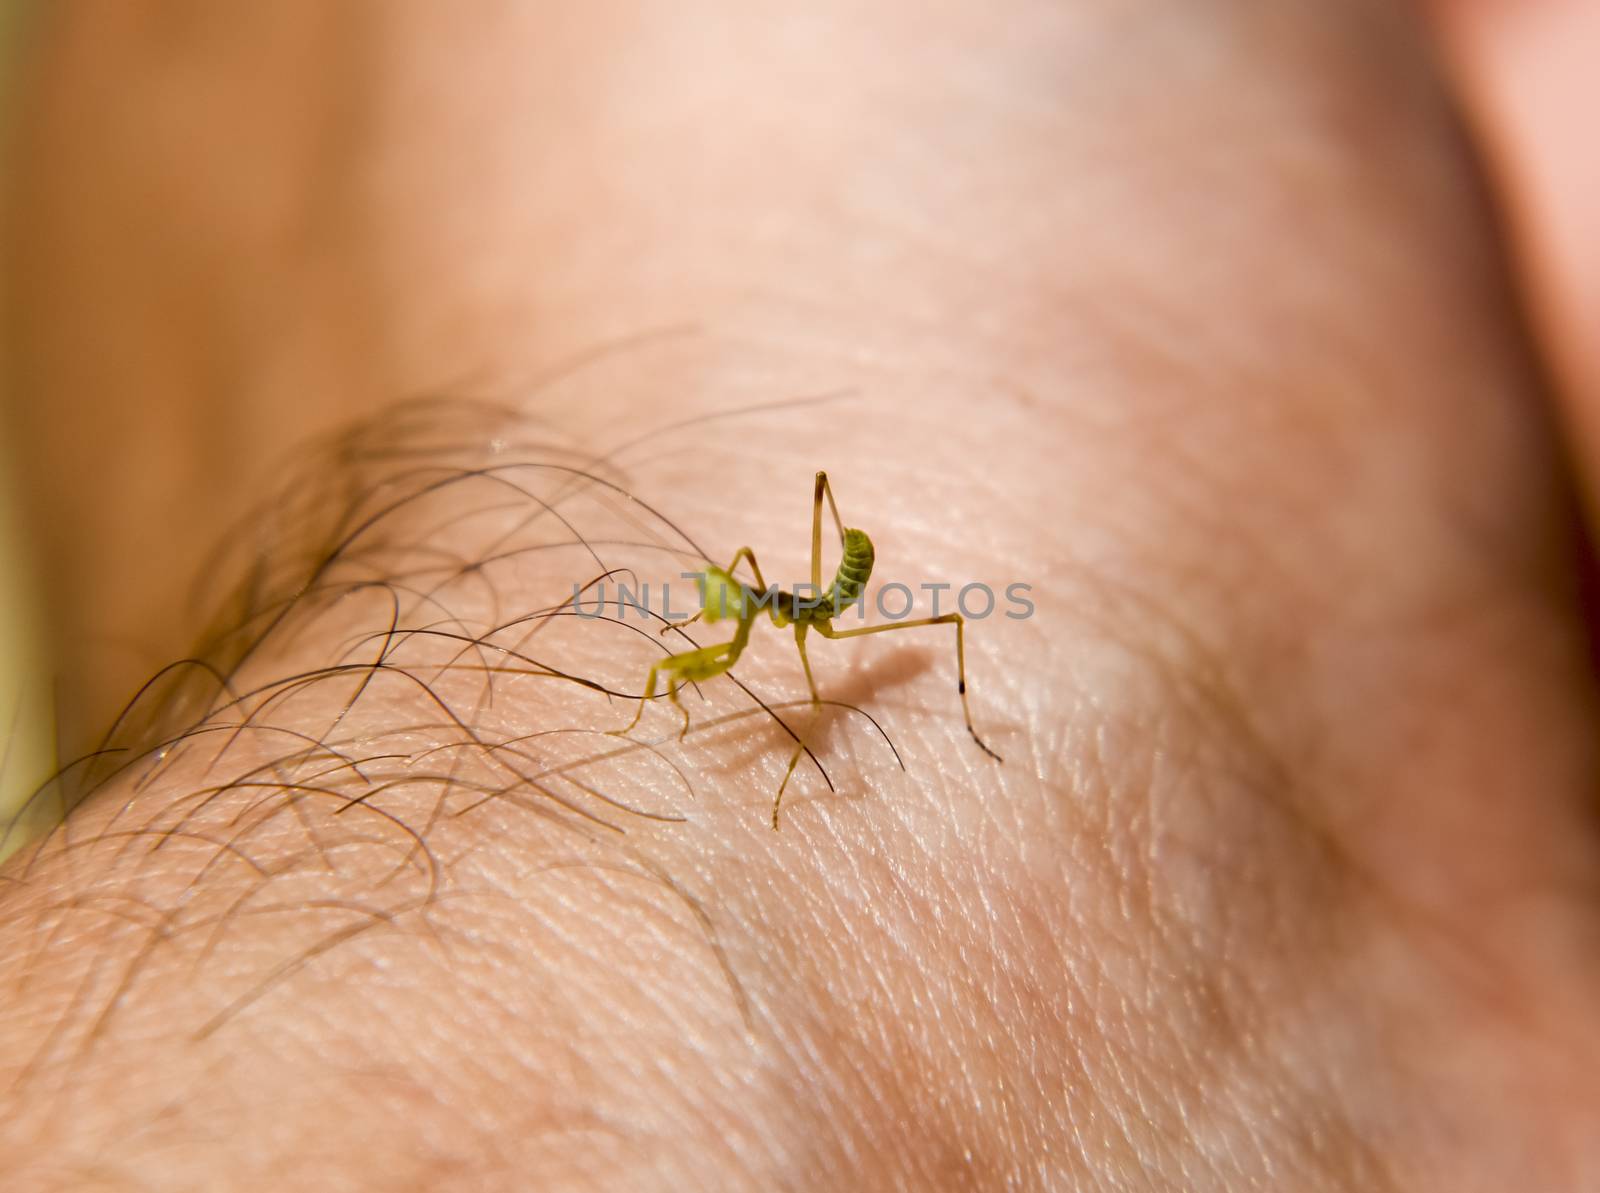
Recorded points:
(800,629)
(823,489)
(955,619)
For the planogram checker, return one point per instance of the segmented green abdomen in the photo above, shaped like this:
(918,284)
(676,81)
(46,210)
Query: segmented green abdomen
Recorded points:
(855,569)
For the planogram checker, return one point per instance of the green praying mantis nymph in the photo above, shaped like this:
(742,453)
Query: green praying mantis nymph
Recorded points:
(723,596)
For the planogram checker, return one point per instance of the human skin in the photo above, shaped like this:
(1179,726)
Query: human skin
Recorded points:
(1197,324)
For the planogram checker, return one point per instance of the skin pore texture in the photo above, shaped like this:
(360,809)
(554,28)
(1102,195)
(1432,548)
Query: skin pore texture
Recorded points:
(1196,323)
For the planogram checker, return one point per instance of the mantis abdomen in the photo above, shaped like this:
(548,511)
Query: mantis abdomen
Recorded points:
(855,569)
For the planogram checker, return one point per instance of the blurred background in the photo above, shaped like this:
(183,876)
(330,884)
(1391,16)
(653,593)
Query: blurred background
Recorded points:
(27,727)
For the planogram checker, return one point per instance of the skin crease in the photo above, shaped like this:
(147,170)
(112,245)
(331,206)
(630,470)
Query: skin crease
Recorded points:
(1196,324)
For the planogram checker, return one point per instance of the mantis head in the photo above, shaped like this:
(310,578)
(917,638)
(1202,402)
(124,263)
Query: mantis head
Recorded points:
(720,595)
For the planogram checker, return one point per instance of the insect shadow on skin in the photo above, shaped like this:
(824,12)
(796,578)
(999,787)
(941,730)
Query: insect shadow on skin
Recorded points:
(721,595)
